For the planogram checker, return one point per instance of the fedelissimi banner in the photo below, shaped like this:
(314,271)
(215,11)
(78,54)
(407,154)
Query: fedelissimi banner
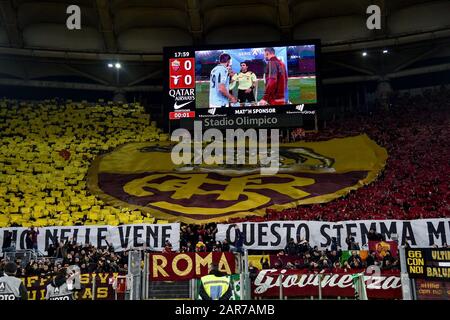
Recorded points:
(273,235)
(136,236)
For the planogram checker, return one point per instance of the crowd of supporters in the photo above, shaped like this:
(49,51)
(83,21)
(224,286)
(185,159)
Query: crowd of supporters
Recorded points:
(415,132)
(68,253)
(46,148)
(42,169)
(414,184)
(296,255)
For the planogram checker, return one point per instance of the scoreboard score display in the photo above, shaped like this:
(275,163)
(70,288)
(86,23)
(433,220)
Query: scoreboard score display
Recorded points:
(238,86)
(428,263)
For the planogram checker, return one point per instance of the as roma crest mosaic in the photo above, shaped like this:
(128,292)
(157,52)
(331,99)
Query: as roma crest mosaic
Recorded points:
(142,176)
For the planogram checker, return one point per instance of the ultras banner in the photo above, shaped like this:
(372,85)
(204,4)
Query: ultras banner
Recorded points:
(142,176)
(273,235)
(149,236)
(428,263)
(103,290)
(386,285)
(190,265)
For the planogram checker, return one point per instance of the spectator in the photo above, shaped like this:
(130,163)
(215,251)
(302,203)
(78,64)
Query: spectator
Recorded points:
(34,238)
(29,241)
(253,271)
(303,246)
(51,250)
(350,240)
(354,261)
(265,263)
(388,259)
(239,241)
(374,236)
(7,245)
(325,264)
(225,246)
(334,256)
(334,244)
(200,246)
(371,259)
(291,248)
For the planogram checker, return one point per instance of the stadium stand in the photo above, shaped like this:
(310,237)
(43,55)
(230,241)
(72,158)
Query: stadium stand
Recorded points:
(414,184)
(46,148)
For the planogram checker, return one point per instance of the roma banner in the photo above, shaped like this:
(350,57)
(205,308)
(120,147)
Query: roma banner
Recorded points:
(142,176)
(386,285)
(37,286)
(190,265)
(136,236)
(272,235)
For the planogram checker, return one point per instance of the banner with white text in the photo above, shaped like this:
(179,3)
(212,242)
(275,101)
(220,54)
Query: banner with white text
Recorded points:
(124,237)
(273,235)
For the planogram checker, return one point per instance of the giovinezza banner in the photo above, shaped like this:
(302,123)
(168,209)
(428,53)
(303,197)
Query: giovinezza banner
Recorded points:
(136,236)
(274,235)
(386,285)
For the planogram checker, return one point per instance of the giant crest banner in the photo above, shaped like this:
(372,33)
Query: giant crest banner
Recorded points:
(142,176)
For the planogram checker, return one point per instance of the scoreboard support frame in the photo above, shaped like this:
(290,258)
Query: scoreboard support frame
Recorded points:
(408,287)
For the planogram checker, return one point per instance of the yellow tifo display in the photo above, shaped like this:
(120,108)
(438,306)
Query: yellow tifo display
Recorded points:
(45,152)
(142,176)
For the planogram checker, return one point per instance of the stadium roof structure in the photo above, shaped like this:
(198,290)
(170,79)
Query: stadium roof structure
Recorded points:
(36,46)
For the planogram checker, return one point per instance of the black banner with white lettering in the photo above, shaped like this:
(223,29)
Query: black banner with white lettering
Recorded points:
(273,235)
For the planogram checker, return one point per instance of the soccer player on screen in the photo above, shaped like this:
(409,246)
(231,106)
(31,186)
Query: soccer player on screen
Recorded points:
(219,85)
(276,80)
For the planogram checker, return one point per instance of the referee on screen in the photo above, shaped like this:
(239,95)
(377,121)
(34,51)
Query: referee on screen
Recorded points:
(247,82)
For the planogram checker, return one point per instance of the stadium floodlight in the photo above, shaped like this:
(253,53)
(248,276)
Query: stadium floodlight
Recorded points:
(110,65)
(118,65)
(385,51)
(364,53)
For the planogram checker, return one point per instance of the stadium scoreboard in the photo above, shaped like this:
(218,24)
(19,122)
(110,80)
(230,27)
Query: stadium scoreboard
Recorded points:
(263,85)
(428,263)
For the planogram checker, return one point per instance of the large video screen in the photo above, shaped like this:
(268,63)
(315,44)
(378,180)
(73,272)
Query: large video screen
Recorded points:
(225,83)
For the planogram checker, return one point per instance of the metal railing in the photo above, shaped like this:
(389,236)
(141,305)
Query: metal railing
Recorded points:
(25,256)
